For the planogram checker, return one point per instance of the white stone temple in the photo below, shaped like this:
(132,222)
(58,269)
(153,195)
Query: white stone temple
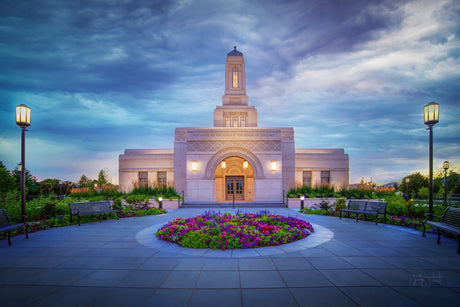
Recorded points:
(235,159)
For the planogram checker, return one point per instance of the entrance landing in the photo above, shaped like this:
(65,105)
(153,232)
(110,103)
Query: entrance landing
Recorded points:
(236,205)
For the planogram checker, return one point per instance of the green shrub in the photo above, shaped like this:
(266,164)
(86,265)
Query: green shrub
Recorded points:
(155,211)
(62,208)
(106,194)
(195,239)
(165,190)
(423,193)
(396,206)
(138,200)
(325,191)
(340,203)
(117,204)
(12,205)
(97,198)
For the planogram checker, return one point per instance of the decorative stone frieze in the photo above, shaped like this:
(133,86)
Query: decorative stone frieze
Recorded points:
(232,134)
(254,146)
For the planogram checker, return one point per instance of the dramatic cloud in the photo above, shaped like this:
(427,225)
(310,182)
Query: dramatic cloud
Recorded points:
(102,76)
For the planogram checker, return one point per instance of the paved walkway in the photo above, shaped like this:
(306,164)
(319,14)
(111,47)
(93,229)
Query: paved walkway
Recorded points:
(116,263)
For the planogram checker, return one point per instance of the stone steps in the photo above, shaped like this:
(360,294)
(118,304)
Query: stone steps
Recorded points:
(230,205)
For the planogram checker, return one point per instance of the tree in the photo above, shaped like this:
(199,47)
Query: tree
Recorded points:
(46,187)
(416,182)
(103,178)
(452,180)
(32,185)
(50,185)
(423,193)
(453,183)
(65,187)
(6,180)
(84,181)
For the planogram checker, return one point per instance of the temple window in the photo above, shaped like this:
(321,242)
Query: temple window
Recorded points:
(243,121)
(235,121)
(227,121)
(143,178)
(235,77)
(325,177)
(161,178)
(306,178)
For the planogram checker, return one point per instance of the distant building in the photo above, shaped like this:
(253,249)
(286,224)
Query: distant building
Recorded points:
(235,158)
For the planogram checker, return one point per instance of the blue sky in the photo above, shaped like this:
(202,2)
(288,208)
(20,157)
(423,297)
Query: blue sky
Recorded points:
(102,76)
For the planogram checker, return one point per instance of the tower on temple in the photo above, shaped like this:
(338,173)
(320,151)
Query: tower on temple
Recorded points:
(235,111)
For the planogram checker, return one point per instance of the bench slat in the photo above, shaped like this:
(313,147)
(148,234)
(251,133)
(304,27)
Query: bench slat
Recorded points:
(91,208)
(365,207)
(452,216)
(450,222)
(6,226)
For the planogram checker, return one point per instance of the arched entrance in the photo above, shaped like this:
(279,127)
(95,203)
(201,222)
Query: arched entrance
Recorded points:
(234,177)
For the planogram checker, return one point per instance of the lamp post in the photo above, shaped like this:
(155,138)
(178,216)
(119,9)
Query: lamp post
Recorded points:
(445,165)
(160,202)
(23,121)
(431,117)
(302,201)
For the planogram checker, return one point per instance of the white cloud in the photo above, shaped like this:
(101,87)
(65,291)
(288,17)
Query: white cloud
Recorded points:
(113,76)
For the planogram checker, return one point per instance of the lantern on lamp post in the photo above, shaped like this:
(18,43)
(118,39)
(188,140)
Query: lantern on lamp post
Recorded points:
(445,166)
(23,121)
(431,117)
(160,202)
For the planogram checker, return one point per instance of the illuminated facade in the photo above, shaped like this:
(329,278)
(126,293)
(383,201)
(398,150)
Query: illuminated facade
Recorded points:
(235,158)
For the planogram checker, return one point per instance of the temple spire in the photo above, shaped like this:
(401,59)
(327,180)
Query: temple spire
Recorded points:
(235,111)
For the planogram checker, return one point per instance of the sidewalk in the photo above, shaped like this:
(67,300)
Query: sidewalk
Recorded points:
(118,263)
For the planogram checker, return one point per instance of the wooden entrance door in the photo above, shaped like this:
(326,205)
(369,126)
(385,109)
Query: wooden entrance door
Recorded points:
(235,186)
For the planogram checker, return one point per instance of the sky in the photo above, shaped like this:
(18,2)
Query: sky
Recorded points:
(104,76)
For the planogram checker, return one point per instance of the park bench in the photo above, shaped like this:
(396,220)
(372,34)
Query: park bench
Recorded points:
(450,223)
(365,207)
(91,208)
(6,226)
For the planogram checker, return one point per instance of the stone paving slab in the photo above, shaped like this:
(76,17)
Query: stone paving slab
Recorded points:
(343,263)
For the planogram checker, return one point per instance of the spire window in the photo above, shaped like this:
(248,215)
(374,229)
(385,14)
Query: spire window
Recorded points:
(235,77)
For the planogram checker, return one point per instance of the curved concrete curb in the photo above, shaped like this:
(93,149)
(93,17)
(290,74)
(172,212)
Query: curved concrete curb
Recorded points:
(147,238)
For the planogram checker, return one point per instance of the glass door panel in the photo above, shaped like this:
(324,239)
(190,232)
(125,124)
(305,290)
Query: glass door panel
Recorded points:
(234,187)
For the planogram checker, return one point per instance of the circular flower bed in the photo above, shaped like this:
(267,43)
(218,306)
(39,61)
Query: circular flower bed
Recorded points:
(227,231)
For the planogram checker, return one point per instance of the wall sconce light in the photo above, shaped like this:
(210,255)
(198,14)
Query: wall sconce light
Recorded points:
(194,166)
(273,165)
(245,164)
(223,164)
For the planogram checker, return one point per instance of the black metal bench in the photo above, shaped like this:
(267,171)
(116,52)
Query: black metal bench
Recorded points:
(6,226)
(450,223)
(364,207)
(91,208)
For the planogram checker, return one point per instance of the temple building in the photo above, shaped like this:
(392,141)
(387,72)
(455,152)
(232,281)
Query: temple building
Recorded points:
(235,159)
